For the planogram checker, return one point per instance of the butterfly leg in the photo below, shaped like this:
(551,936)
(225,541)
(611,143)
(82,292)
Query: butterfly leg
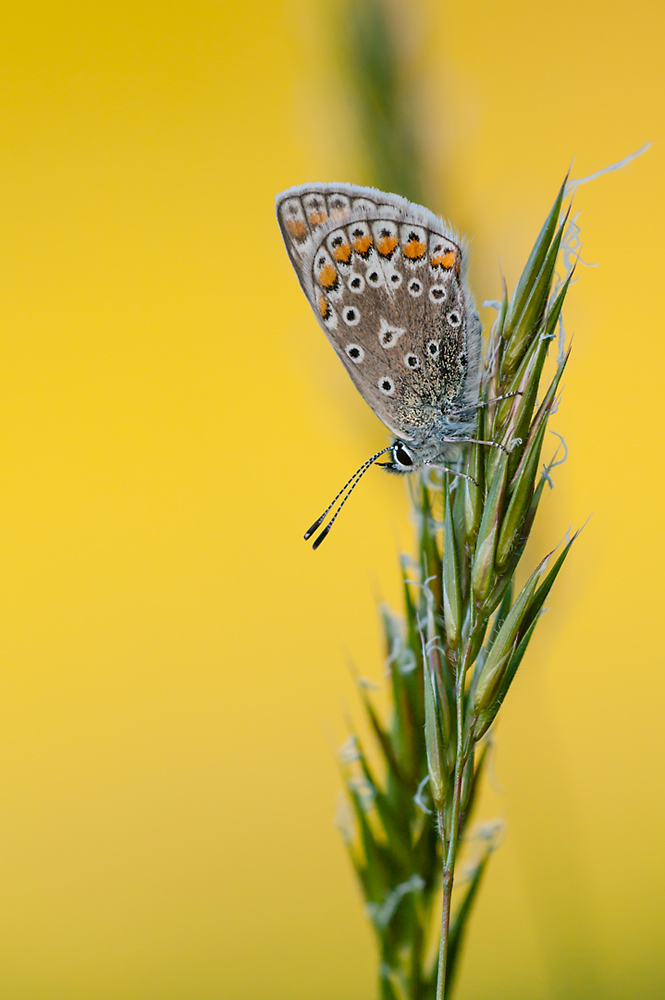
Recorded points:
(492,444)
(488,402)
(453,472)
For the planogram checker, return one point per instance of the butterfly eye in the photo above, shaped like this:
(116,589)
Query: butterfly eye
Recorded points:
(402,456)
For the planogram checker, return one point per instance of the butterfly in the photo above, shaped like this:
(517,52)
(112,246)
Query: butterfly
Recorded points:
(386,280)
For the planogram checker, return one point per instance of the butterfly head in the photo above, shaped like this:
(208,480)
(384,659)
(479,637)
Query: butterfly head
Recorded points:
(403,459)
(415,455)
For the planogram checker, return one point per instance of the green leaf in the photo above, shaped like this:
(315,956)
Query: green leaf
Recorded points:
(395,823)
(525,382)
(534,264)
(529,622)
(487,716)
(550,395)
(528,323)
(445,693)
(543,590)
(504,645)
(483,562)
(452,599)
(377,873)
(496,331)
(438,773)
(473,494)
(501,614)
(520,499)
(429,549)
(406,727)
(382,737)
(527,378)
(390,985)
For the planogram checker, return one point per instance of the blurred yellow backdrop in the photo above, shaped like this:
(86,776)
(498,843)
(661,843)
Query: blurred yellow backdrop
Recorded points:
(173,655)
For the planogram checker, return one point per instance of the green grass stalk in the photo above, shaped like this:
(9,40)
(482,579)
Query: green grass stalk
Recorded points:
(465,627)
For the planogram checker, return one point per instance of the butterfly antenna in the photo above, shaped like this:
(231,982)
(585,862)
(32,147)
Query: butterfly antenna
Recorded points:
(353,482)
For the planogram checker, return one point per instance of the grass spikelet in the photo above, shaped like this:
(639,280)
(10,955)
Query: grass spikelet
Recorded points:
(466,624)
(452,658)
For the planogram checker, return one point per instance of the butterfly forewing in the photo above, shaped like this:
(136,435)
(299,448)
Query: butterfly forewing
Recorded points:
(386,281)
(302,212)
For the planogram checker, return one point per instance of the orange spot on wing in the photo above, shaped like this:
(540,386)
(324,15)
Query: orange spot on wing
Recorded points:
(444,259)
(316,218)
(324,307)
(296,227)
(414,249)
(342,253)
(327,276)
(361,244)
(386,245)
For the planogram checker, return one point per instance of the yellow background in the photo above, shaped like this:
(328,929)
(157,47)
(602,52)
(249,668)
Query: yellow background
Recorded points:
(171,419)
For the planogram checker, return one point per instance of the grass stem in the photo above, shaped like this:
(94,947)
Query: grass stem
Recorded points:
(454,657)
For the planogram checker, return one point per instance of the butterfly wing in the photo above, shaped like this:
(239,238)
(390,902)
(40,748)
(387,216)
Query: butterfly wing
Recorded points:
(304,211)
(386,281)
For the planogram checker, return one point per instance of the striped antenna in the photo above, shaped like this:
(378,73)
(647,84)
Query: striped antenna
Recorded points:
(350,486)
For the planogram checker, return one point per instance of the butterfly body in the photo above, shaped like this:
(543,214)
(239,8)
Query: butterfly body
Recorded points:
(386,280)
